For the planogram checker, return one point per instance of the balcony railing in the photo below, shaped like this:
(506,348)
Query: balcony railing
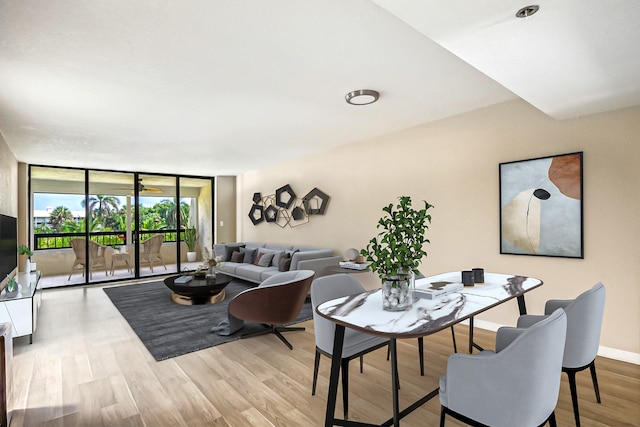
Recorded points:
(107,238)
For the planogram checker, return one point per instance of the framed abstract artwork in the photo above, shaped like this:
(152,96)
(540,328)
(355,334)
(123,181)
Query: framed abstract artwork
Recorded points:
(541,206)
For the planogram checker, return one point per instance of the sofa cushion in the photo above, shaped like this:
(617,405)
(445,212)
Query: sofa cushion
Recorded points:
(237,256)
(268,273)
(276,255)
(228,267)
(276,258)
(251,272)
(230,248)
(284,264)
(249,255)
(263,259)
(277,247)
(253,245)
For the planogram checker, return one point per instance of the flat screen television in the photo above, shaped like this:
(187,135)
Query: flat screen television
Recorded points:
(8,248)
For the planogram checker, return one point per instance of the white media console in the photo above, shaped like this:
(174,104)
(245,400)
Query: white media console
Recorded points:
(21,308)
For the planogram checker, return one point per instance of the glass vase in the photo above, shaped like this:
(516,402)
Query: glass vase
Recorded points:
(396,293)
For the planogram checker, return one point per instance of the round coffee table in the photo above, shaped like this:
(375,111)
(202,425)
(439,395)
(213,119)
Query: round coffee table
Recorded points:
(198,291)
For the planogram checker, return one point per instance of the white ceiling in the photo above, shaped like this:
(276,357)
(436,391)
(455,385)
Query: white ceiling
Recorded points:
(213,87)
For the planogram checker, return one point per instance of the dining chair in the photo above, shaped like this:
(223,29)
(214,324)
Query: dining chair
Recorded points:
(276,302)
(517,385)
(151,250)
(356,344)
(584,322)
(96,256)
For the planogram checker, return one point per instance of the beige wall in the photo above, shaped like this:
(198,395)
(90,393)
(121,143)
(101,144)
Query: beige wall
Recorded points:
(8,180)
(225,209)
(453,164)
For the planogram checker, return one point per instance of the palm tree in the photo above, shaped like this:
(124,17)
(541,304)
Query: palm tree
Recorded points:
(59,217)
(167,211)
(102,206)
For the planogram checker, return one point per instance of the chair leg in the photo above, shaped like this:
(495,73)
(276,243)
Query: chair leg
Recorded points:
(443,415)
(277,331)
(283,339)
(316,367)
(421,354)
(574,396)
(552,420)
(594,378)
(345,387)
(453,335)
(361,364)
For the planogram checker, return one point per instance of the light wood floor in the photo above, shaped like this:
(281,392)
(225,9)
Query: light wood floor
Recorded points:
(86,367)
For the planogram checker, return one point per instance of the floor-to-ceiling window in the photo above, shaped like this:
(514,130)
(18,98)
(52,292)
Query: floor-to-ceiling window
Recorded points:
(93,226)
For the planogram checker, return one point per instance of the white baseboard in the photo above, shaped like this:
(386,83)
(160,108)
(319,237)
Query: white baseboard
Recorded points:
(610,353)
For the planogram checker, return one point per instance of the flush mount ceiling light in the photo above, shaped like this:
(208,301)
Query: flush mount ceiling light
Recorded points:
(527,11)
(362,97)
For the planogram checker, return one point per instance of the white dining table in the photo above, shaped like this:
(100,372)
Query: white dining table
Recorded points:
(364,312)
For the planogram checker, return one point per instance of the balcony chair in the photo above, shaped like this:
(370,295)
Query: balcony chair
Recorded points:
(517,385)
(275,302)
(96,256)
(151,250)
(356,344)
(584,321)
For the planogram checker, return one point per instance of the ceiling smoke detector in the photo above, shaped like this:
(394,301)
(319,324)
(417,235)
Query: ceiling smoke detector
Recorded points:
(527,11)
(362,97)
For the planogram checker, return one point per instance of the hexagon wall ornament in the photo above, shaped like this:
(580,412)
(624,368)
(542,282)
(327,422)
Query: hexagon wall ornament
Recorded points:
(286,190)
(271,214)
(259,210)
(311,200)
(257,197)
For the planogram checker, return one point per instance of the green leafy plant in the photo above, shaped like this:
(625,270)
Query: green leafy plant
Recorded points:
(398,249)
(12,285)
(24,250)
(190,238)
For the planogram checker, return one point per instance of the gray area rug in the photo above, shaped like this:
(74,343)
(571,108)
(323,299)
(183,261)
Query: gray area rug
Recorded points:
(168,329)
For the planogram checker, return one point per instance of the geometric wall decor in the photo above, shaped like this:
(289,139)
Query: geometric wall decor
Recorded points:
(285,208)
(285,196)
(315,202)
(256,214)
(271,214)
(541,206)
(297,213)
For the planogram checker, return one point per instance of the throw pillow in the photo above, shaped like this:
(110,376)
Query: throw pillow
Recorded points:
(276,258)
(284,264)
(258,257)
(237,256)
(249,255)
(264,260)
(230,249)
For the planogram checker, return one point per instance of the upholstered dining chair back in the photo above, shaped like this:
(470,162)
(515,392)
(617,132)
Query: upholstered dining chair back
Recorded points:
(584,323)
(331,287)
(355,344)
(516,386)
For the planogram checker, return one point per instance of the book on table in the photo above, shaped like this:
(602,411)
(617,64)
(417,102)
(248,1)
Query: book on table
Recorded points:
(433,290)
(183,279)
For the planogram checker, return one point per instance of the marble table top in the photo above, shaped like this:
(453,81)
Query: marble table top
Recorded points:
(364,311)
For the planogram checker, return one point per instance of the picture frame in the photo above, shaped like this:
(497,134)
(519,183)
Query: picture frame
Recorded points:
(541,206)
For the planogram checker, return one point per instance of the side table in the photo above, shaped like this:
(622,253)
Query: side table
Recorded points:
(119,258)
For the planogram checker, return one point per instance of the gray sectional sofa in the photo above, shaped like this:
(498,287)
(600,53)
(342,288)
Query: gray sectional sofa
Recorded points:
(301,258)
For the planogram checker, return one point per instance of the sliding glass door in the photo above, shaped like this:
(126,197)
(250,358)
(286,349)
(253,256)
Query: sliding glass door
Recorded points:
(92,226)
